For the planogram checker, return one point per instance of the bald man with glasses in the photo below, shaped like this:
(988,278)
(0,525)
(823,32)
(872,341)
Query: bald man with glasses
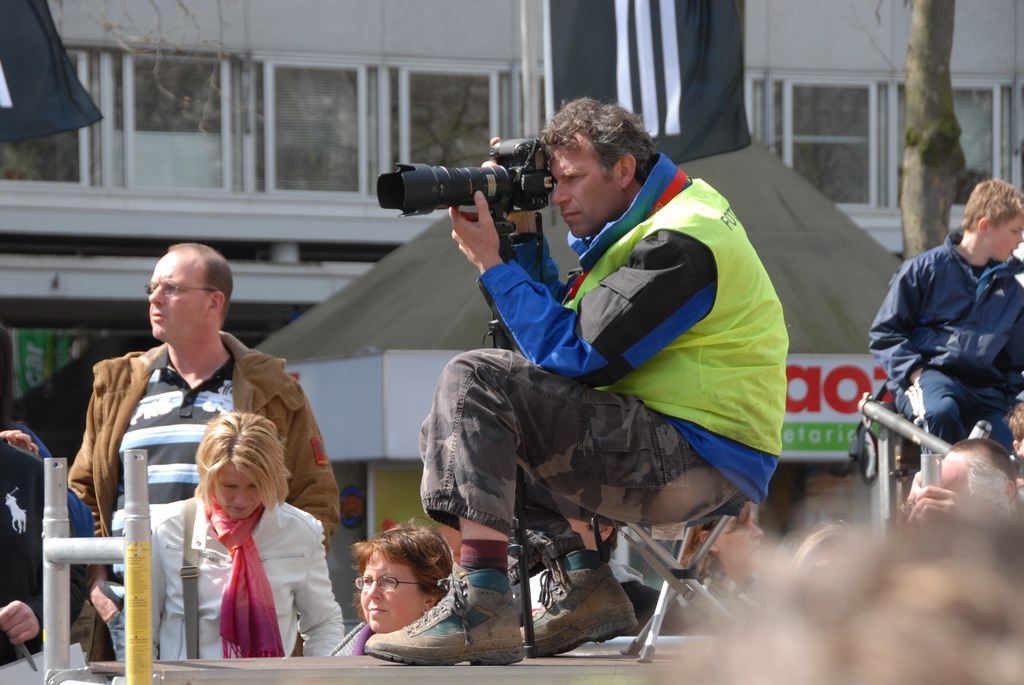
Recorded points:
(160,400)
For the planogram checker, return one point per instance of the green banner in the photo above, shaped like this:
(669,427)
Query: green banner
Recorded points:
(38,354)
(817,436)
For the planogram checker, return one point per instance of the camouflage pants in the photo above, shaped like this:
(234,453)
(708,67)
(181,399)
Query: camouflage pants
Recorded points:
(582,450)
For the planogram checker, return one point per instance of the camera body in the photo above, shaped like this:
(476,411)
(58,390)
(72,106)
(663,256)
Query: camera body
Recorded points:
(520,181)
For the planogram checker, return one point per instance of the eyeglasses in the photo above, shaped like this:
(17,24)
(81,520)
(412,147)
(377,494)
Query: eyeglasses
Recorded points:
(385,583)
(172,289)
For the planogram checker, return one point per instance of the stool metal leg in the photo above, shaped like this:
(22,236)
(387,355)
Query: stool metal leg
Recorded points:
(665,599)
(674,585)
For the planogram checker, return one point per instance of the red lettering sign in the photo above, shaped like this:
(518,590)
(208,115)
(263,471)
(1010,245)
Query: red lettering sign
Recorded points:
(811,401)
(839,389)
(847,405)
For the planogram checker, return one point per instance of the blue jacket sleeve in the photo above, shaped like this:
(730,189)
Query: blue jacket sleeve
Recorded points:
(535,258)
(667,284)
(891,331)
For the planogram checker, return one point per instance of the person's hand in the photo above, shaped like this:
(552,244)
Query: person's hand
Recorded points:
(104,606)
(526,222)
(930,503)
(476,235)
(915,375)
(19,622)
(19,439)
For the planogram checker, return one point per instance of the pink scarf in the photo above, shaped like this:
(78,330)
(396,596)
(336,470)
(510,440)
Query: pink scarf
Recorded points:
(248,619)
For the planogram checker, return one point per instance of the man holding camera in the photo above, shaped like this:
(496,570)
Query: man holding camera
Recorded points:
(649,389)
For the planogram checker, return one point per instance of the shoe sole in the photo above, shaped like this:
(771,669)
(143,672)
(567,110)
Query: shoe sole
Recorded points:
(599,627)
(492,657)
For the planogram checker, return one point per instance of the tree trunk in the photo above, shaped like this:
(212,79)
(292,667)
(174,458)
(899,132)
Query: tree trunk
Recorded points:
(933,158)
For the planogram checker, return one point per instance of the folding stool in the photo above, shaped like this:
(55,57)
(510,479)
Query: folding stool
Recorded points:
(678,580)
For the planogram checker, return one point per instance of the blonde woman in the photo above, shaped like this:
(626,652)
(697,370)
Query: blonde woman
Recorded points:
(262,571)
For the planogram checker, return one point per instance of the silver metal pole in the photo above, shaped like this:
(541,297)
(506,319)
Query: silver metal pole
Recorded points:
(982,429)
(56,575)
(876,412)
(531,106)
(893,425)
(886,480)
(931,469)
(85,550)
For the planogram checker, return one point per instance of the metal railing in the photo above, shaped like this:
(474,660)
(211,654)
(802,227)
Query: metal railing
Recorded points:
(60,551)
(894,429)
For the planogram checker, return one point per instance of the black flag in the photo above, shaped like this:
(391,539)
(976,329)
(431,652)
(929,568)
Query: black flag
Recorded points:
(39,91)
(678,63)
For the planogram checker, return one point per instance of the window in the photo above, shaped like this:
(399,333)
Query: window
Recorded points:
(253,125)
(449,118)
(316,129)
(974,110)
(848,138)
(177,122)
(831,140)
(45,158)
(1006,135)
(757,112)
(53,157)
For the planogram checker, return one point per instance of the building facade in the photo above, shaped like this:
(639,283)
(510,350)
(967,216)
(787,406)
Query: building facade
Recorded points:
(260,127)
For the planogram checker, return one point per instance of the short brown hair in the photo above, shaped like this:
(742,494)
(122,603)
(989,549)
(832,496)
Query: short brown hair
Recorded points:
(251,443)
(1016,420)
(422,548)
(990,450)
(215,266)
(613,132)
(995,200)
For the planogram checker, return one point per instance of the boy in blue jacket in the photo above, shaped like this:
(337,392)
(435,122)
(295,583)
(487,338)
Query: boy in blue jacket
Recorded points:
(953,321)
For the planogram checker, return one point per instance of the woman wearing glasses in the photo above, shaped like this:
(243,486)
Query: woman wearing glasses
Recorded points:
(262,571)
(397,582)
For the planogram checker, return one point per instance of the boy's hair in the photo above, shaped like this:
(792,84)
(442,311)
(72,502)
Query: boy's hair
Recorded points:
(1016,420)
(995,200)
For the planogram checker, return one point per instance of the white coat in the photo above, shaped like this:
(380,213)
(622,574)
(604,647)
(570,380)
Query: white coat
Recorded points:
(290,544)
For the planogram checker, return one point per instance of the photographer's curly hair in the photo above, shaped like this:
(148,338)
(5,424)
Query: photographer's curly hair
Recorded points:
(613,133)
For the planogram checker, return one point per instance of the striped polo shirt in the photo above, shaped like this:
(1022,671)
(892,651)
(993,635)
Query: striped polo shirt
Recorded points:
(169,423)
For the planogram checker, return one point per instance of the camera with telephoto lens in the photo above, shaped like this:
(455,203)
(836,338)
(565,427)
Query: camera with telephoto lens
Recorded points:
(520,182)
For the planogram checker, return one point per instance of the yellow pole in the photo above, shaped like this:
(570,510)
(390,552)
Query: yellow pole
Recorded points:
(138,624)
(138,598)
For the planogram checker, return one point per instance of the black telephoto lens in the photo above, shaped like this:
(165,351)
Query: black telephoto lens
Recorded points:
(420,189)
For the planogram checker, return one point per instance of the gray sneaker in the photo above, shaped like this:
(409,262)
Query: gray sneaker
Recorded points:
(589,605)
(474,622)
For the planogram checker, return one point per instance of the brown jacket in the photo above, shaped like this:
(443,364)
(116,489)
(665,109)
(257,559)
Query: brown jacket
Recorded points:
(259,385)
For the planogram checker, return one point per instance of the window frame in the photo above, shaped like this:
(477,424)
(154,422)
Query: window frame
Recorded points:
(404,108)
(872,133)
(80,62)
(269,63)
(107,159)
(128,105)
(887,151)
